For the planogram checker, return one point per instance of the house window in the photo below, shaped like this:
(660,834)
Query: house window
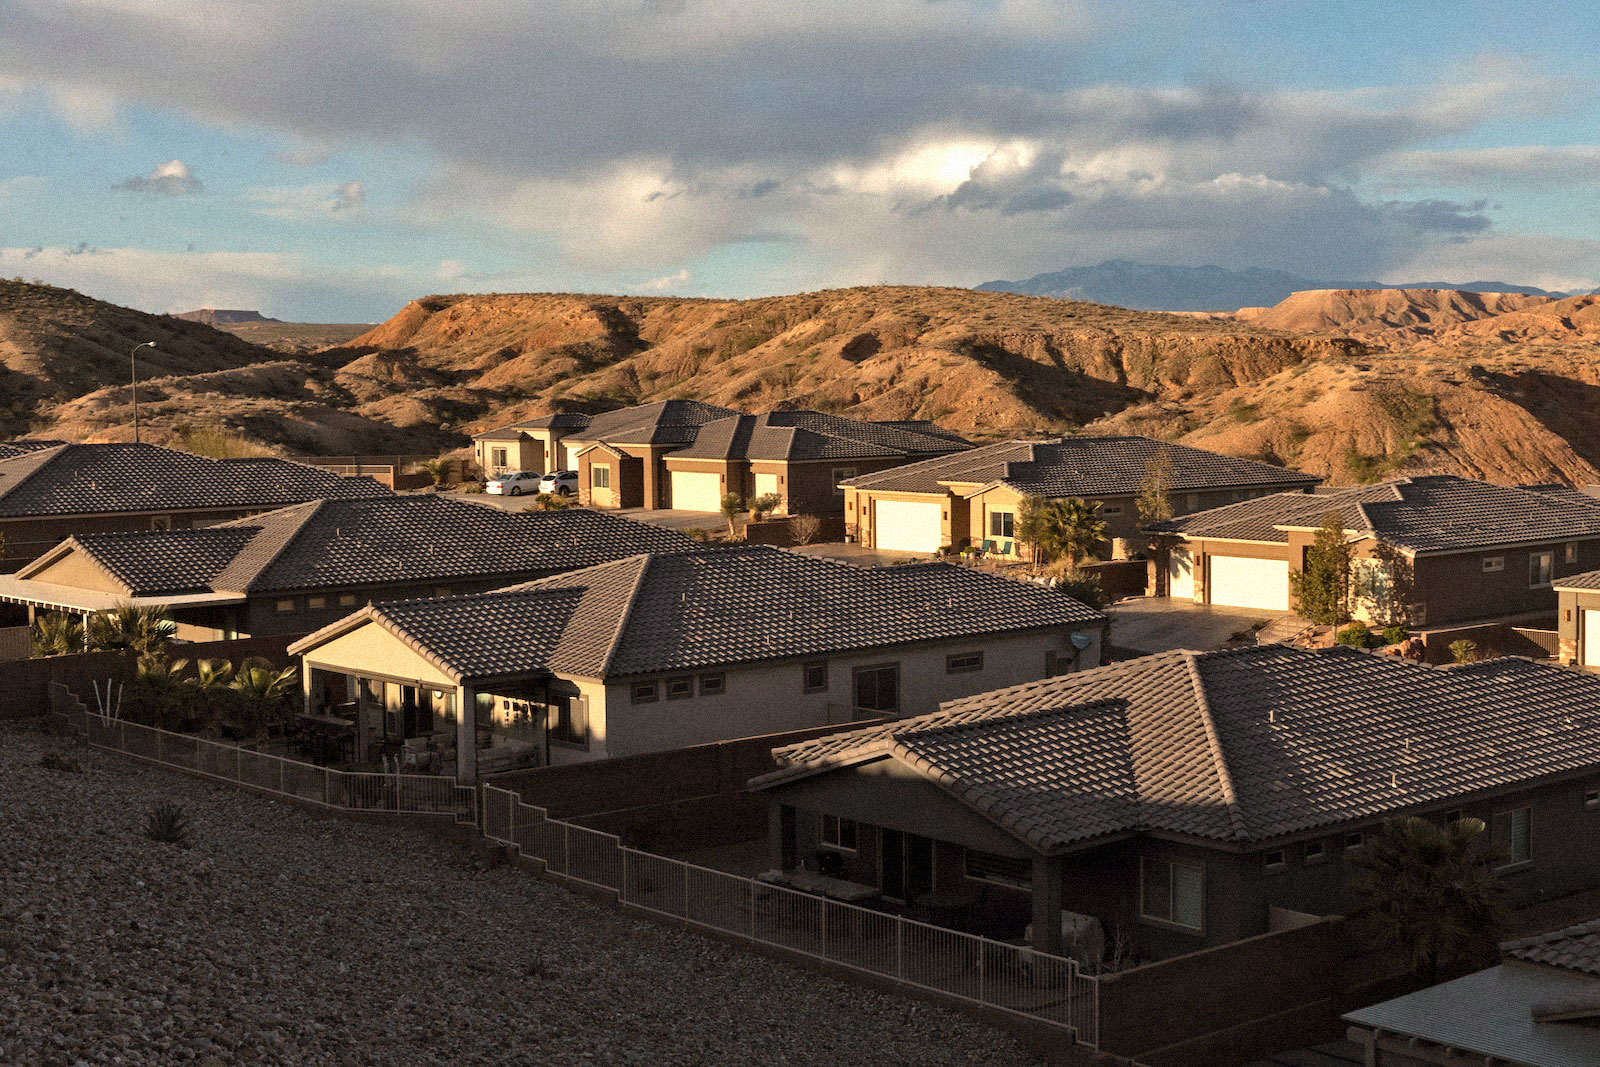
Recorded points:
(1591,799)
(1110,509)
(1571,553)
(1191,502)
(1173,893)
(285,606)
(567,721)
(963,662)
(1276,860)
(645,692)
(878,688)
(600,476)
(497,457)
(816,677)
(840,833)
(680,688)
(1353,841)
(1510,831)
(1002,870)
(1541,566)
(1493,564)
(841,474)
(315,602)
(1001,523)
(1314,852)
(347,600)
(712,685)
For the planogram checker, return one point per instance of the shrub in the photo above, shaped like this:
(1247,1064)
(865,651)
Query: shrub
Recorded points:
(1355,634)
(167,823)
(697,533)
(55,761)
(766,502)
(1464,650)
(1081,585)
(805,529)
(1393,635)
(472,487)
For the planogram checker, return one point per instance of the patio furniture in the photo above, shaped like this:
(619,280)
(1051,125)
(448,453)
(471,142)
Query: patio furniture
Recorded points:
(822,885)
(987,547)
(1004,549)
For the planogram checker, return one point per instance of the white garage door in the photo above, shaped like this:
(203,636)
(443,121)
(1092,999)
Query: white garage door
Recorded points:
(1180,574)
(907,526)
(1241,582)
(696,491)
(1591,638)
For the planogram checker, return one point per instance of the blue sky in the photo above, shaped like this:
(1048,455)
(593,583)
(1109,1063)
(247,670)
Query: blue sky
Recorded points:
(330,161)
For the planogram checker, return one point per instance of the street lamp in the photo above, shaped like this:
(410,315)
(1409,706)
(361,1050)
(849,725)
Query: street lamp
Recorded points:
(133,378)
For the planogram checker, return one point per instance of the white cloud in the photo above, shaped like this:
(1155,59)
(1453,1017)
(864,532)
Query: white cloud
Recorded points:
(299,203)
(349,197)
(673,282)
(172,178)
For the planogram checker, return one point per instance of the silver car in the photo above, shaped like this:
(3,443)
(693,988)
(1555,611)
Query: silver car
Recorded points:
(562,483)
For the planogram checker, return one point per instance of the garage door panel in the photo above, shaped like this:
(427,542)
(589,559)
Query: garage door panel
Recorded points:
(696,491)
(907,526)
(1180,574)
(1245,582)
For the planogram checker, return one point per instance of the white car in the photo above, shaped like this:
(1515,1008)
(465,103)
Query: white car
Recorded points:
(513,483)
(562,483)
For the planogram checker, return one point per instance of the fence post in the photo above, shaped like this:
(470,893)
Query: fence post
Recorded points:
(685,890)
(824,927)
(900,948)
(751,884)
(983,972)
(624,894)
(566,848)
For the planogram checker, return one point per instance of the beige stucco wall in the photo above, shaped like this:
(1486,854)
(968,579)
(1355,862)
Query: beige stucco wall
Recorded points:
(80,572)
(371,650)
(770,698)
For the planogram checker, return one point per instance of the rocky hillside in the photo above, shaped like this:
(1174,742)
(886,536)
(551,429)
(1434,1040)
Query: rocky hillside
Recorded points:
(1353,385)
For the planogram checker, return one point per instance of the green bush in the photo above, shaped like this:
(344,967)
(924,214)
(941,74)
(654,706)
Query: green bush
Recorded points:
(1393,635)
(697,533)
(1355,634)
(1464,650)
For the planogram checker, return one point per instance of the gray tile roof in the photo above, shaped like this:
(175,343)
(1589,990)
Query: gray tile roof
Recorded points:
(1586,580)
(1245,745)
(1429,513)
(1574,948)
(23,447)
(376,542)
(1081,467)
(802,435)
(566,420)
(668,422)
(723,606)
(91,479)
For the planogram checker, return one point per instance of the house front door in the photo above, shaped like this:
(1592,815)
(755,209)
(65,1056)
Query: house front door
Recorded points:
(907,865)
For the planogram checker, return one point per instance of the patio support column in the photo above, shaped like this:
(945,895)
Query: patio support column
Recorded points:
(781,844)
(1047,891)
(305,686)
(466,735)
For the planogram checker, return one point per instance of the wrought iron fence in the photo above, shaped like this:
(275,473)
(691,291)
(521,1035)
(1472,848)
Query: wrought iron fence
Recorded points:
(396,794)
(1011,978)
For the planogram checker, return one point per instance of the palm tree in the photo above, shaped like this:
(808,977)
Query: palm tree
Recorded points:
(57,634)
(438,470)
(1074,528)
(160,681)
(137,629)
(1431,897)
(265,693)
(213,680)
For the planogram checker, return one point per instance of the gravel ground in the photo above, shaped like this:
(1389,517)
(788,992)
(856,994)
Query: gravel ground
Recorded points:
(282,936)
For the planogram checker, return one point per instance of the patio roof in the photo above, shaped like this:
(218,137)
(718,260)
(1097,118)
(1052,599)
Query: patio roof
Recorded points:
(14,590)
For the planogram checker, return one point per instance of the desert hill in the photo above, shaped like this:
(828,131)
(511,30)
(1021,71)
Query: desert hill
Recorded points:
(1350,385)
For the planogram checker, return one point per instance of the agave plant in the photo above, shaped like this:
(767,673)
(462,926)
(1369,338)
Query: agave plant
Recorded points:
(138,629)
(167,823)
(57,635)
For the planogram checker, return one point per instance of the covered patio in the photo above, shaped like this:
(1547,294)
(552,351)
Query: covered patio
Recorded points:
(200,616)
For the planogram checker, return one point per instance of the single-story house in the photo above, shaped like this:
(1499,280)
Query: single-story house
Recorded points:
(1474,550)
(1539,1007)
(296,569)
(659,652)
(1186,800)
(529,445)
(972,497)
(48,494)
(798,456)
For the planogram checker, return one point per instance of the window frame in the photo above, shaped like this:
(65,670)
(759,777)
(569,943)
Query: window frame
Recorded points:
(644,692)
(963,662)
(316,603)
(839,827)
(1275,860)
(1493,564)
(567,722)
(1354,840)
(1022,882)
(1309,857)
(1513,860)
(1548,570)
(1169,870)
(1570,555)
(875,668)
(685,685)
(600,476)
(1591,798)
(805,676)
(284,606)
(498,456)
(713,685)
(348,600)
(1006,521)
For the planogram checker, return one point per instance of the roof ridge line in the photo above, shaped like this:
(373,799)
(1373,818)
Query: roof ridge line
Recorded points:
(294,534)
(1218,760)
(46,457)
(626,614)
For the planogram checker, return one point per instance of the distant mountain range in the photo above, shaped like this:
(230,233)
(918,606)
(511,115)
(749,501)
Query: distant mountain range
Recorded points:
(1148,287)
(218,316)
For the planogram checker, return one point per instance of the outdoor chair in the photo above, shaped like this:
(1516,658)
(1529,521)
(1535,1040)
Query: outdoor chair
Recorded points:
(987,547)
(1004,549)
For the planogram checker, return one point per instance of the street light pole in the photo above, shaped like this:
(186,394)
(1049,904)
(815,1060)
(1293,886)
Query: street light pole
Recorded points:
(133,379)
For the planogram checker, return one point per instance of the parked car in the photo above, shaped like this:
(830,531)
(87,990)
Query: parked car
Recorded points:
(513,483)
(564,483)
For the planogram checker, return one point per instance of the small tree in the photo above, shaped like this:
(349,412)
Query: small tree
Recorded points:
(805,529)
(763,504)
(1431,898)
(1384,587)
(1074,528)
(1322,588)
(732,508)
(1154,501)
(1033,526)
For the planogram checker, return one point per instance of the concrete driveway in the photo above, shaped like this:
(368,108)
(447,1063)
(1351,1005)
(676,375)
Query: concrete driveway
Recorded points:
(1157,624)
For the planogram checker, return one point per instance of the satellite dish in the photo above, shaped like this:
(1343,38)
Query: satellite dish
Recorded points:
(1081,641)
